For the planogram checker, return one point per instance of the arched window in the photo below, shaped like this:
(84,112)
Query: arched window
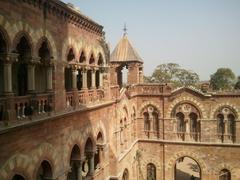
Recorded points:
(82,58)
(155,121)
(71,55)
(91,60)
(151,172)
(180,122)
(20,77)
(18,177)
(98,155)
(100,60)
(44,52)
(125,175)
(68,71)
(3,49)
(146,121)
(74,163)
(3,44)
(225,174)
(220,124)
(193,122)
(89,153)
(41,69)
(231,124)
(44,171)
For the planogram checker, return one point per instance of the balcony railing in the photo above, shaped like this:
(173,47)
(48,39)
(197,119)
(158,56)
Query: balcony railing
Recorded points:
(69,99)
(84,97)
(26,106)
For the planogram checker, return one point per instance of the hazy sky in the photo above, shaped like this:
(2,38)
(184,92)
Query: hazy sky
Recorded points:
(201,35)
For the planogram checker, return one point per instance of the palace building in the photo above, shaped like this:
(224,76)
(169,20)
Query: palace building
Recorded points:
(66,114)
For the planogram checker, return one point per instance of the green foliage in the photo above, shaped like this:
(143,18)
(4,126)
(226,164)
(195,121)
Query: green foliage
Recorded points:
(147,79)
(173,73)
(237,85)
(222,79)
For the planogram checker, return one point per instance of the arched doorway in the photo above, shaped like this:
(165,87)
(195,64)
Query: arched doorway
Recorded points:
(187,168)
(18,177)
(44,171)
(75,163)
(224,174)
(125,175)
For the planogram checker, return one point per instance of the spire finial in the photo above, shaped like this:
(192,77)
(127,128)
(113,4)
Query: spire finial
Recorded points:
(125,29)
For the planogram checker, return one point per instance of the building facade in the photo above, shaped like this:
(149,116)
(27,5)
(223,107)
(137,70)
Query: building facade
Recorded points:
(66,114)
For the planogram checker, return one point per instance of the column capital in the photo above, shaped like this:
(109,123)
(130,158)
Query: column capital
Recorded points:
(49,62)
(90,153)
(9,57)
(32,60)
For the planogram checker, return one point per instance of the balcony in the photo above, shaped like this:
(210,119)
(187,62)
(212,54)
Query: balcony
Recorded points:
(75,99)
(17,109)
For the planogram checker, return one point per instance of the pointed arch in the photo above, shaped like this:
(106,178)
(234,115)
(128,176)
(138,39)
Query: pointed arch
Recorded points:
(100,61)
(43,41)
(82,56)
(92,59)
(4,40)
(16,164)
(28,38)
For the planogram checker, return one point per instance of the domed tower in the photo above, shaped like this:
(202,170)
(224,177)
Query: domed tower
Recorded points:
(124,55)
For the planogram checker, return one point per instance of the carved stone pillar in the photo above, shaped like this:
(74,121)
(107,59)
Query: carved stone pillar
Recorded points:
(101,71)
(78,164)
(84,78)
(7,60)
(49,78)
(90,157)
(74,79)
(93,79)
(31,74)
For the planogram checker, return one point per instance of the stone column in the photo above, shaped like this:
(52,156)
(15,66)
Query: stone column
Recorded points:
(49,78)
(7,74)
(90,156)
(78,164)
(74,79)
(31,77)
(8,59)
(84,79)
(226,137)
(93,79)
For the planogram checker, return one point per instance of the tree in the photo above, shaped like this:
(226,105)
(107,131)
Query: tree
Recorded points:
(237,85)
(165,73)
(173,73)
(147,79)
(222,79)
(187,78)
